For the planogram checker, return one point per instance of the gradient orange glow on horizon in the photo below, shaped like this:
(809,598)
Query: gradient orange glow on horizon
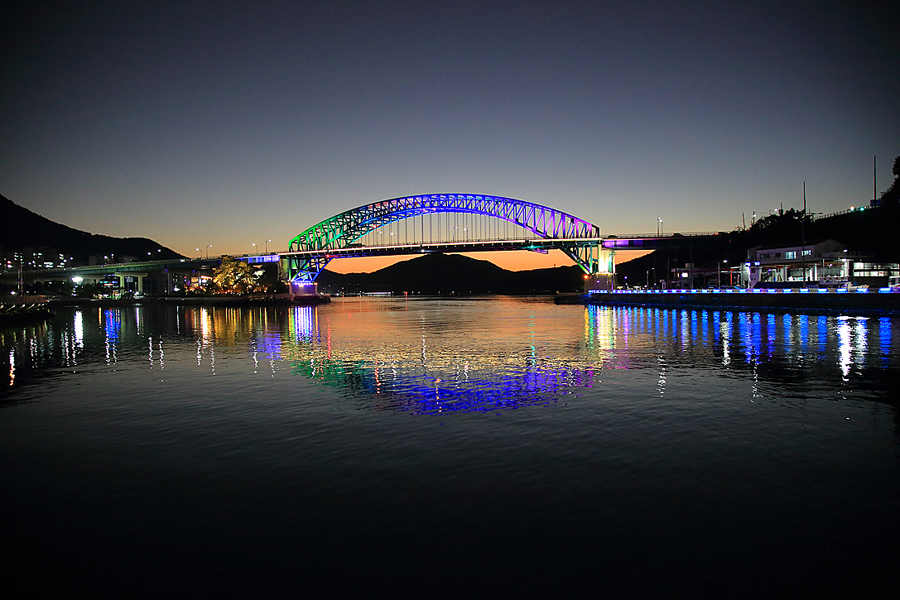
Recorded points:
(636,117)
(518,260)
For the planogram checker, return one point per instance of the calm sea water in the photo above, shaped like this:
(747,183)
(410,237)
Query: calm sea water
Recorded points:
(490,446)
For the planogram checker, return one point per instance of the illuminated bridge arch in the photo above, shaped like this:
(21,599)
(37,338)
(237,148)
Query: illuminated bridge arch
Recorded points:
(338,236)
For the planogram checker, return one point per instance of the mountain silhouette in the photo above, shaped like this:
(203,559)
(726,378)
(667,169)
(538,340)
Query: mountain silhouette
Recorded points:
(453,274)
(21,228)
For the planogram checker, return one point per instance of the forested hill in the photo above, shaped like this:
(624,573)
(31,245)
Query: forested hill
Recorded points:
(21,228)
(872,231)
(454,274)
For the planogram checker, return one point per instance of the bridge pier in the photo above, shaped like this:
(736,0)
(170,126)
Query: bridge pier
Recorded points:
(303,288)
(139,280)
(605,276)
(600,281)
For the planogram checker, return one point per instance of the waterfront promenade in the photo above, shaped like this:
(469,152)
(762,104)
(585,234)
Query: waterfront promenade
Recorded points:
(813,299)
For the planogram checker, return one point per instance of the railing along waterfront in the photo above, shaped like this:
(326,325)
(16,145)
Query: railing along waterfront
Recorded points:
(861,290)
(859,300)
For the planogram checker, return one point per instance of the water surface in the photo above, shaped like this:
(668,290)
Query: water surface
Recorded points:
(490,445)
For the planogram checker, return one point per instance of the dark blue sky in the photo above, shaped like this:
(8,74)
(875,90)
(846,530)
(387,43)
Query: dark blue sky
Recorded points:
(230,123)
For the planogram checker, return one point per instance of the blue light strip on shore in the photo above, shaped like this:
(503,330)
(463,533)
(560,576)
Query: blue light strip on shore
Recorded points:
(883,290)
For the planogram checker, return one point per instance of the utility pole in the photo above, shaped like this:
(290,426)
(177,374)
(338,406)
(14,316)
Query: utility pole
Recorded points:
(692,264)
(803,235)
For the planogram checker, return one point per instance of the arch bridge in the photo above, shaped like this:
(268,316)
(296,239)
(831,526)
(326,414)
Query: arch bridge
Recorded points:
(445,223)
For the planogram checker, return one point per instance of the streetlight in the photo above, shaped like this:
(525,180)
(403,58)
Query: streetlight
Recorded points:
(719,273)
(659,226)
(254,248)
(207,251)
(267,246)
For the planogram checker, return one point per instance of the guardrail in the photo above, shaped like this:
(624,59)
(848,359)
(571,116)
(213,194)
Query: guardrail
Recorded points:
(631,236)
(818,217)
(816,291)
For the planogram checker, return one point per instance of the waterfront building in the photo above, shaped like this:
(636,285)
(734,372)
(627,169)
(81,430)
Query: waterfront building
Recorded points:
(827,262)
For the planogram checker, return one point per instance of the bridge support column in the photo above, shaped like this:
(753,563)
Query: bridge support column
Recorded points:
(600,281)
(304,288)
(139,281)
(605,277)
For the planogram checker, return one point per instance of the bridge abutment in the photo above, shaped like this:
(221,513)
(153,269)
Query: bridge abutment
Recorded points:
(600,281)
(304,288)
(605,277)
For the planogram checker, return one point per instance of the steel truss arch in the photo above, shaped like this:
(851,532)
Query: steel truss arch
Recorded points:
(345,228)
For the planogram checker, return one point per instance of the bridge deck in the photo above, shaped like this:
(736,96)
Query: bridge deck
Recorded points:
(614,242)
(455,246)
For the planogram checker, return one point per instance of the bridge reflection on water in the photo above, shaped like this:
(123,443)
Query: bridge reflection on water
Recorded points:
(774,347)
(410,356)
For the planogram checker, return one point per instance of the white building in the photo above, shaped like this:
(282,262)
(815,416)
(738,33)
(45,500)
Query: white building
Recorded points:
(825,263)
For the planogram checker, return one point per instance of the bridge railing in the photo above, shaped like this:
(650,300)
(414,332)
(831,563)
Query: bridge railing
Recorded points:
(459,245)
(667,236)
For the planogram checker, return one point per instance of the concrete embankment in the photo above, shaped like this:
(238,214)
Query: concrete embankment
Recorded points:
(827,301)
(215,300)
(23,309)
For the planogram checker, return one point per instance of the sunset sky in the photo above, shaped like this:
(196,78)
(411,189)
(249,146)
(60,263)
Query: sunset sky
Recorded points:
(232,123)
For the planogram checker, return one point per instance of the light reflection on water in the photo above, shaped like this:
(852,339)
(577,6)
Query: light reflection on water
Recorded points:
(431,357)
(263,445)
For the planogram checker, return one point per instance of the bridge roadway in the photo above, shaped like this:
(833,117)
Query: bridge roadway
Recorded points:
(355,251)
(142,266)
(611,242)
(141,269)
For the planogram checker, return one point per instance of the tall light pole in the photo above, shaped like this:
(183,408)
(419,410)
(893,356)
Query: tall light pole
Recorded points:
(267,246)
(658,226)
(254,248)
(719,273)
(207,250)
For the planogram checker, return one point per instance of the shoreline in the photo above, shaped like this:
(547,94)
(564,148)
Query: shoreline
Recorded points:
(222,300)
(810,300)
